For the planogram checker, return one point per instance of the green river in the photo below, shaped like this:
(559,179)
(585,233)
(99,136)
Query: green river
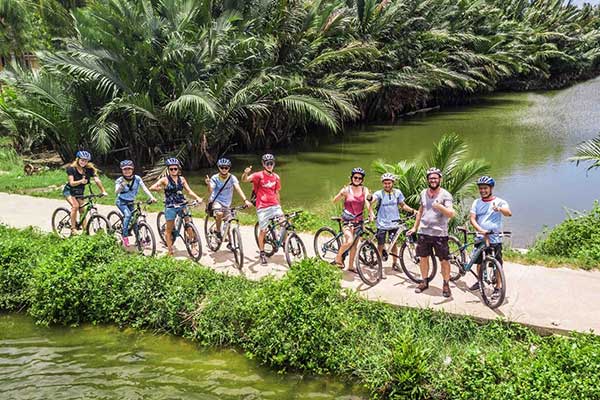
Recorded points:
(92,362)
(526,137)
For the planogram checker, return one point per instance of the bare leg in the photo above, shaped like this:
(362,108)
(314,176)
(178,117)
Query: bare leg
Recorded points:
(348,238)
(169,237)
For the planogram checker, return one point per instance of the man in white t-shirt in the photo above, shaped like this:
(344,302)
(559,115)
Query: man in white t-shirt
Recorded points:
(486,216)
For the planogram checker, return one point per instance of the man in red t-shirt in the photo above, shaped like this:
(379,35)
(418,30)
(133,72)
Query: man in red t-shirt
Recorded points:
(267,185)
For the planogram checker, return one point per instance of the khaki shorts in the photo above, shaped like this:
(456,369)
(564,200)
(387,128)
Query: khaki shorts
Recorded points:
(266,214)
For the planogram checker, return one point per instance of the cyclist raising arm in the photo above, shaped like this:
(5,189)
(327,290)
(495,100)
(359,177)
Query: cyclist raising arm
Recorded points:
(486,216)
(220,190)
(80,172)
(355,198)
(173,185)
(126,188)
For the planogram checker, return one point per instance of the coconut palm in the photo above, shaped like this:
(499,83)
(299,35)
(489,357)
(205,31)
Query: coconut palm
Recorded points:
(588,152)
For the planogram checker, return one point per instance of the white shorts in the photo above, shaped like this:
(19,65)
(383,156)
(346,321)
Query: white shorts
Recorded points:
(266,214)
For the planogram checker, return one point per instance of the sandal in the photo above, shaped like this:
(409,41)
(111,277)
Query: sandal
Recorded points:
(446,290)
(423,286)
(337,264)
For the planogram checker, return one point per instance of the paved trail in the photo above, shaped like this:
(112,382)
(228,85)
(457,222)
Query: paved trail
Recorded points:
(561,298)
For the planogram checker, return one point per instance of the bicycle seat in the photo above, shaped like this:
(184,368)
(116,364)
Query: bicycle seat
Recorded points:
(336,218)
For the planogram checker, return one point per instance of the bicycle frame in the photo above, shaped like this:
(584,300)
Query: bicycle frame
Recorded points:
(87,208)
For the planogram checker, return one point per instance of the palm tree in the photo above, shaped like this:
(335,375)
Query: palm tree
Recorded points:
(588,151)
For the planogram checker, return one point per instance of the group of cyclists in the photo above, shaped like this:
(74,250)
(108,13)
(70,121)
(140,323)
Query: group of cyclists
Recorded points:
(383,206)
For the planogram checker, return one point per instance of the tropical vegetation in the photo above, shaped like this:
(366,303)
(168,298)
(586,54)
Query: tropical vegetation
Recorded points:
(302,322)
(199,78)
(588,152)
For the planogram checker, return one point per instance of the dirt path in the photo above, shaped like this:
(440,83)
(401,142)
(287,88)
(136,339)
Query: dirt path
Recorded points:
(558,299)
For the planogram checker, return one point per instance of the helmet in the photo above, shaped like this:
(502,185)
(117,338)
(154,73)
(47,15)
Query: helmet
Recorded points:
(223,162)
(486,180)
(268,157)
(172,161)
(84,155)
(434,170)
(126,163)
(388,176)
(358,170)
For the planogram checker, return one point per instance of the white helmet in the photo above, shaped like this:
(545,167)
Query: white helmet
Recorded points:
(388,176)
(434,170)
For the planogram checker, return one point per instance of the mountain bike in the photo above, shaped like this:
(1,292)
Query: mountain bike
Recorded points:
(144,237)
(368,263)
(282,234)
(492,284)
(61,218)
(230,229)
(191,236)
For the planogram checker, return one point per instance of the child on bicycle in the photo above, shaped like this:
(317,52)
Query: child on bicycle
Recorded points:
(220,190)
(80,172)
(388,201)
(175,203)
(126,189)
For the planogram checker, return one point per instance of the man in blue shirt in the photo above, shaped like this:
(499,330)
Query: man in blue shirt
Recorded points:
(486,216)
(389,200)
(220,189)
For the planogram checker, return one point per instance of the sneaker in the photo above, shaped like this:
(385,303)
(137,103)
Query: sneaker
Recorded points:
(396,267)
(263,258)
(474,287)
(422,287)
(496,294)
(219,235)
(126,241)
(446,290)
(229,246)
(77,232)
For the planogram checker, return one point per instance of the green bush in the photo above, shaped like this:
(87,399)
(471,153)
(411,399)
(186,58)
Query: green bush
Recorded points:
(302,322)
(577,237)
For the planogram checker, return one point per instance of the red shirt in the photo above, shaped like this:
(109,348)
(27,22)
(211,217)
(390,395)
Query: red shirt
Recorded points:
(266,187)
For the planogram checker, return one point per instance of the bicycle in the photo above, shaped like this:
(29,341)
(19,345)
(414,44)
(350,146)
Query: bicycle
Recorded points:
(144,237)
(191,238)
(230,229)
(491,272)
(286,238)
(368,260)
(61,218)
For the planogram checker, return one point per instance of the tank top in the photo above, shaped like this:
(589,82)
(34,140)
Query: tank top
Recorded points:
(354,205)
(174,193)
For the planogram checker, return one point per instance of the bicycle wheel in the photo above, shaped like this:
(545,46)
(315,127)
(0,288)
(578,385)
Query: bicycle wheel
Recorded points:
(409,262)
(97,224)
(368,263)
(161,227)
(115,222)
(458,258)
(145,241)
(192,240)
(212,241)
(326,244)
(294,248)
(235,245)
(490,276)
(270,242)
(61,222)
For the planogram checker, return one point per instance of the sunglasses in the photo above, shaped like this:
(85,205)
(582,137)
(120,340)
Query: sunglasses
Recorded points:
(223,167)
(173,168)
(357,177)
(269,163)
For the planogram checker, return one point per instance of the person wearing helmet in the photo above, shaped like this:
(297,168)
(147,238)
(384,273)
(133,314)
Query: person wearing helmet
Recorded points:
(267,185)
(173,184)
(126,189)
(220,190)
(355,197)
(79,173)
(486,216)
(387,203)
(431,222)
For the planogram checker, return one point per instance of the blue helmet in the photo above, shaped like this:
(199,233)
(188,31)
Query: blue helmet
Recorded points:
(126,163)
(358,170)
(84,155)
(486,180)
(224,162)
(172,161)
(268,157)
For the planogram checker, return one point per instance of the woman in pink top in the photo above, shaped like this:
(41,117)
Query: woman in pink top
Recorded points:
(355,198)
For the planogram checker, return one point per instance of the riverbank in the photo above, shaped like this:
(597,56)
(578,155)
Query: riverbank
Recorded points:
(304,321)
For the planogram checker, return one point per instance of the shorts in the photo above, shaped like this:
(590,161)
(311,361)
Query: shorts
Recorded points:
(498,248)
(426,245)
(266,214)
(68,191)
(172,212)
(381,234)
(216,206)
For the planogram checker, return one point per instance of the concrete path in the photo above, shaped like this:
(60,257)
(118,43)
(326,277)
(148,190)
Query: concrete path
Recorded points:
(555,299)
